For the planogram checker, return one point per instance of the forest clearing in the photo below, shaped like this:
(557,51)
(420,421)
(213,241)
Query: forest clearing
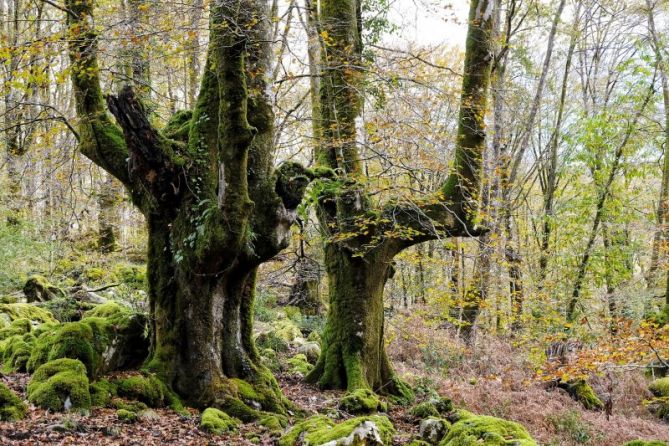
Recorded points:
(334,222)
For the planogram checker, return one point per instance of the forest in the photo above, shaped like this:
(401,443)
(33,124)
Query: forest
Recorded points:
(334,222)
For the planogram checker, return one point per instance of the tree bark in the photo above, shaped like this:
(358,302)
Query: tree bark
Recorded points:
(214,207)
(361,242)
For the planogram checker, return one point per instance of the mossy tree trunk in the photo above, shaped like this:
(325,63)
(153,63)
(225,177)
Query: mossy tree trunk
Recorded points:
(215,208)
(362,240)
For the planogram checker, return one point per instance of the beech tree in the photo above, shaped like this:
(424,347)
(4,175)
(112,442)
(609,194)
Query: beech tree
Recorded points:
(215,208)
(361,238)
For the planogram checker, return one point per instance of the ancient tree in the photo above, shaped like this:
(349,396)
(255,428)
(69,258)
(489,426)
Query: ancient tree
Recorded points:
(214,206)
(362,238)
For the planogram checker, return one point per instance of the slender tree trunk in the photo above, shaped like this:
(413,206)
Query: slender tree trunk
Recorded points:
(662,234)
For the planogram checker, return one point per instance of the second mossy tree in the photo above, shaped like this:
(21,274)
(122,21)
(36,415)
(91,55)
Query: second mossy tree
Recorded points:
(215,207)
(361,238)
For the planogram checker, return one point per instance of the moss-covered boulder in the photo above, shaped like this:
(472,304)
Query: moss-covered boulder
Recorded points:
(362,401)
(431,408)
(60,385)
(11,406)
(433,429)
(38,289)
(299,365)
(108,338)
(374,430)
(270,340)
(286,330)
(470,429)
(126,416)
(659,387)
(270,359)
(217,422)
(312,350)
(149,390)
(33,313)
(659,407)
(102,392)
(582,392)
(15,352)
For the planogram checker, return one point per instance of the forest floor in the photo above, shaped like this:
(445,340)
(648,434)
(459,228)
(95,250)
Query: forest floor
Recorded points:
(494,378)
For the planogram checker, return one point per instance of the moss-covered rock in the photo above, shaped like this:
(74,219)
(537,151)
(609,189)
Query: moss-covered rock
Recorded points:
(102,392)
(273,422)
(60,385)
(659,407)
(108,338)
(362,401)
(374,430)
(132,406)
(582,392)
(312,350)
(270,359)
(11,406)
(38,289)
(433,430)
(474,429)
(217,422)
(15,352)
(126,416)
(149,390)
(286,330)
(659,387)
(33,313)
(431,408)
(299,364)
(417,442)
(270,340)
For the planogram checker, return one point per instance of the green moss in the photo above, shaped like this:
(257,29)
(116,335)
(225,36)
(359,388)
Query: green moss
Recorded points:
(239,409)
(371,430)
(133,406)
(59,382)
(362,401)
(299,364)
(37,315)
(217,422)
(660,387)
(15,352)
(126,416)
(132,275)
(149,390)
(314,337)
(424,410)
(114,313)
(287,331)
(581,391)
(271,341)
(418,443)
(645,443)
(11,406)
(269,359)
(474,430)
(274,422)
(431,408)
(433,429)
(293,313)
(66,309)
(659,407)
(38,289)
(102,392)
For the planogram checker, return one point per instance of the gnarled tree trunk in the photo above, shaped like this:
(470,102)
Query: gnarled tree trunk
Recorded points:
(214,207)
(361,241)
